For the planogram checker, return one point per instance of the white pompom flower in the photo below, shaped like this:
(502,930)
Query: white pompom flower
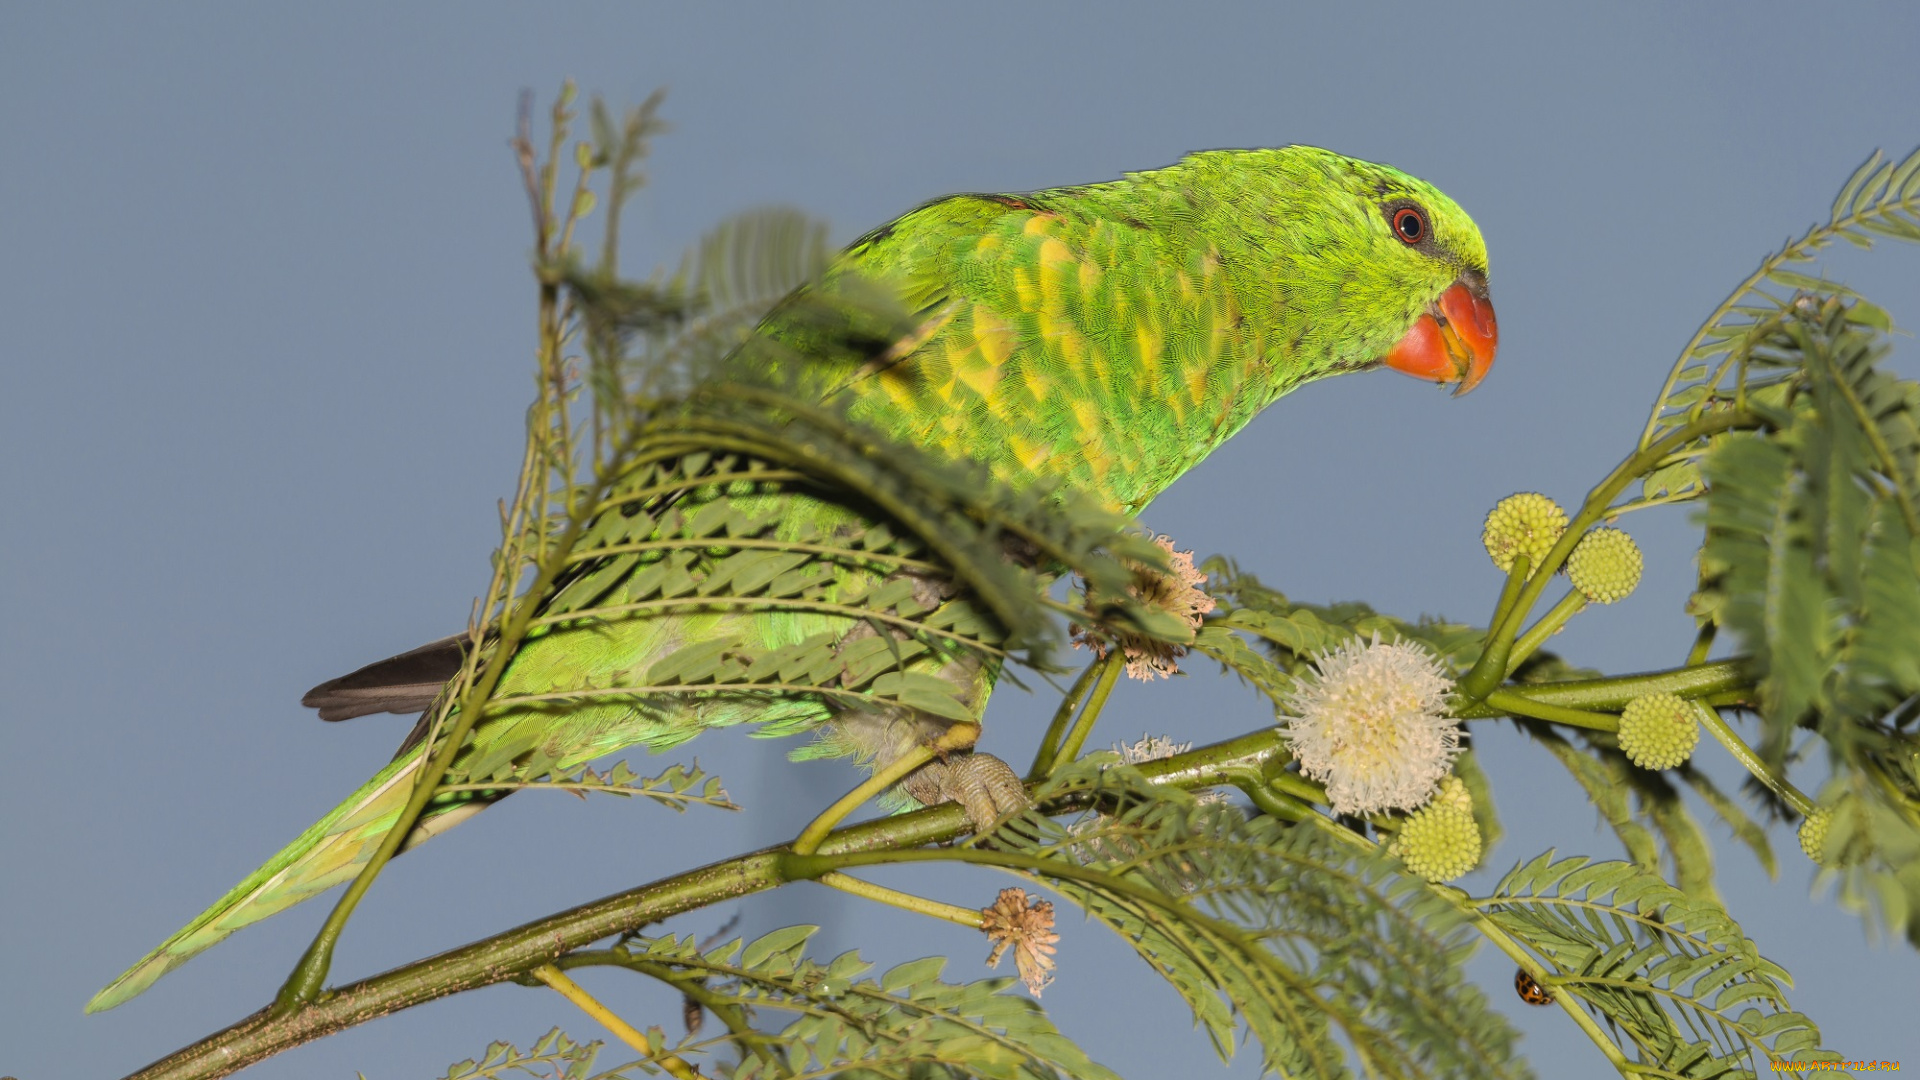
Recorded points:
(1371,723)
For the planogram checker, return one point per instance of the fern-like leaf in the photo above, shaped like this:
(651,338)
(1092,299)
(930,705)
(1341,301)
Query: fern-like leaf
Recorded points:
(1881,198)
(1311,941)
(1811,560)
(908,1022)
(1681,988)
(555,1055)
(677,788)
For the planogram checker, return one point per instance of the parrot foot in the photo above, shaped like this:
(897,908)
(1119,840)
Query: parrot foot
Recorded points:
(985,787)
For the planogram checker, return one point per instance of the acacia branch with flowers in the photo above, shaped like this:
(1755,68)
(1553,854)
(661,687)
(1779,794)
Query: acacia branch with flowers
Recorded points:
(1315,915)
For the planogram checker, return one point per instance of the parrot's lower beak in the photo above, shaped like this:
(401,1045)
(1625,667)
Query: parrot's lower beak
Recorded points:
(1454,340)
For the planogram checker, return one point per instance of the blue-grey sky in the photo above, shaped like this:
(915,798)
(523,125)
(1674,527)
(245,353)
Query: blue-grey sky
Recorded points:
(265,342)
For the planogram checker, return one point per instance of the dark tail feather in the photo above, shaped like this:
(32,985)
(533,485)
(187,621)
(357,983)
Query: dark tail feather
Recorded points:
(407,683)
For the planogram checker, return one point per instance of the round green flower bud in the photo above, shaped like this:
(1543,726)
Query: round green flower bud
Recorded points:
(1525,524)
(1440,841)
(1658,731)
(1605,566)
(1813,834)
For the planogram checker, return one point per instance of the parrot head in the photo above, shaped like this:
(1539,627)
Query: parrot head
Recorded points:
(1453,339)
(1369,266)
(1420,246)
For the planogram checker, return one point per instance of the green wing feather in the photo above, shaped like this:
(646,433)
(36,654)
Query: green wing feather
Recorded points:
(329,852)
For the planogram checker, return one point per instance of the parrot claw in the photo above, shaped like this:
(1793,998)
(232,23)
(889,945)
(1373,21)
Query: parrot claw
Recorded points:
(985,787)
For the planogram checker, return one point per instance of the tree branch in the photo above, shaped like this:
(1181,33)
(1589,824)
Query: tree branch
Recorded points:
(510,955)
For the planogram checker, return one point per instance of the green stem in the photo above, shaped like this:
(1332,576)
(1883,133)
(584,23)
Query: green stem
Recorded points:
(612,1021)
(1503,941)
(1491,669)
(1517,704)
(1815,238)
(775,603)
(1275,803)
(1717,725)
(1609,489)
(1083,726)
(809,839)
(813,866)
(1556,617)
(919,905)
(1049,751)
(808,867)
(1568,1003)
(639,496)
(693,988)
(309,976)
(509,955)
(1722,678)
(1702,643)
(843,554)
(1517,574)
(1275,777)
(1878,440)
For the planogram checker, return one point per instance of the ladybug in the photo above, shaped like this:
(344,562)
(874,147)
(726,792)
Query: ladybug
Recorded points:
(1529,989)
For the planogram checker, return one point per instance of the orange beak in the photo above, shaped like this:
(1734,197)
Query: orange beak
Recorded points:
(1454,340)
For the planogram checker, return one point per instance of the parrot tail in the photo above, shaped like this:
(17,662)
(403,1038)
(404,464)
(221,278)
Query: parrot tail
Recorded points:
(332,851)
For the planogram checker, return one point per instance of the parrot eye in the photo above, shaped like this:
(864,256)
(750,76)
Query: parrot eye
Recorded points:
(1409,225)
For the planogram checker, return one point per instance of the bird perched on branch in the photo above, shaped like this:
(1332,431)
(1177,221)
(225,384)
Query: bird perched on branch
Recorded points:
(1102,339)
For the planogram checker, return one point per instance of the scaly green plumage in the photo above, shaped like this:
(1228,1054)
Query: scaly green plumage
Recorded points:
(1112,335)
(1106,336)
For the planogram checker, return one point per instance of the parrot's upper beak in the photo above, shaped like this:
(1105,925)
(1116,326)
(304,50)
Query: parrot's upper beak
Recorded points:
(1454,340)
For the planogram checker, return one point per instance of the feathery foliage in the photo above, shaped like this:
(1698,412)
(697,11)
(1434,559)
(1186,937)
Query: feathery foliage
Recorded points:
(1293,634)
(1811,561)
(1677,983)
(1810,555)
(1880,199)
(677,787)
(1311,941)
(554,1055)
(907,1023)
(1645,810)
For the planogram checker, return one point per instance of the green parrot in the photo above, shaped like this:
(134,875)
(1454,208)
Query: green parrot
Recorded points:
(1106,337)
